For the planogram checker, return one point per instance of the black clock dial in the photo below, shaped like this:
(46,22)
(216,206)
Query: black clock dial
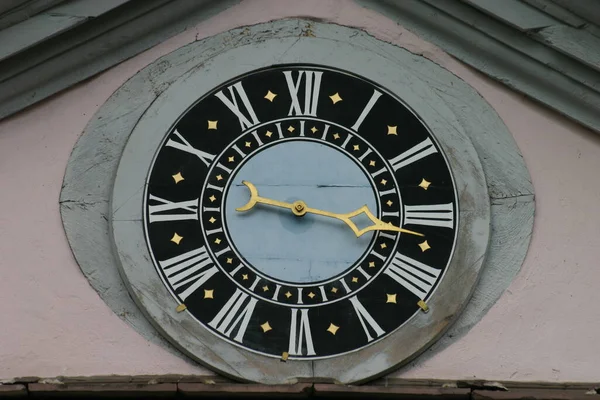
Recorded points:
(301,212)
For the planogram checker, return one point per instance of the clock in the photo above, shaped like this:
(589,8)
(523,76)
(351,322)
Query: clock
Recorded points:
(300,212)
(294,208)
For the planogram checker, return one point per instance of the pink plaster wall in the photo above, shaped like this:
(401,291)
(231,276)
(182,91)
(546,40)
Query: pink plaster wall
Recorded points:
(545,327)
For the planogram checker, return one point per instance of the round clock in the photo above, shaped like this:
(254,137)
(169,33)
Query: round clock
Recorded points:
(278,219)
(300,212)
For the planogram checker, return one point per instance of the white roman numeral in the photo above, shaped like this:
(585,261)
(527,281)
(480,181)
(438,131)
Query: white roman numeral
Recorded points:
(366,110)
(312,85)
(248,117)
(415,276)
(189,206)
(430,215)
(419,151)
(191,267)
(366,320)
(235,314)
(299,333)
(184,145)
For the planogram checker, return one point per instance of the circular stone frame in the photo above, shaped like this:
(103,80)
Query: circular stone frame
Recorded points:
(160,95)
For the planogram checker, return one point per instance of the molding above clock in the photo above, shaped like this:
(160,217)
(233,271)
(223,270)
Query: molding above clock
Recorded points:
(546,49)
(86,191)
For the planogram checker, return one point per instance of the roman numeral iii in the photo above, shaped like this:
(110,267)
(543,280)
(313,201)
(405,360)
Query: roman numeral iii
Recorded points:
(236,313)
(163,211)
(415,276)
(441,215)
(300,334)
(247,116)
(193,267)
(312,86)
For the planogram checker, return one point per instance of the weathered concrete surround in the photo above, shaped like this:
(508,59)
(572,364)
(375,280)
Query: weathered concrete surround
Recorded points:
(193,70)
(515,337)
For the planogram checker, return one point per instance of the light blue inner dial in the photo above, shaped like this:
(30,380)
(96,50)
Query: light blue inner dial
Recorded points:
(299,249)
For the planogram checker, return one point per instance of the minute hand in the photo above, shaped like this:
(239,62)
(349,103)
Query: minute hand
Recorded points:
(378,225)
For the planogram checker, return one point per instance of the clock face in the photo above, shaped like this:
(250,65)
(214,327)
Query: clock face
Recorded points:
(300,212)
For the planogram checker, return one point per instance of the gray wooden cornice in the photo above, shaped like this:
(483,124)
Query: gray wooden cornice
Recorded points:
(548,50)
(49,45)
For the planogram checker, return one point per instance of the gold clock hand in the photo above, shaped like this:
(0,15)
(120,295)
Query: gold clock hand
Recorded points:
(256,199)
(299,208)
(378,225)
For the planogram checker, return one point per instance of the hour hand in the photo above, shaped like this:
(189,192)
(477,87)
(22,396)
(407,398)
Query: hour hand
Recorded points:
(256,199)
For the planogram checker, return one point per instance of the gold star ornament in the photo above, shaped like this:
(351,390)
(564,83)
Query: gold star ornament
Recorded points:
(424,246)
(333,328)
(177,177)
(391,298)
(176,238)
(270,96)
(335,98)
(212,124)
(209,293)
(266,327)
(392,130)
(424,184)
(181,308)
